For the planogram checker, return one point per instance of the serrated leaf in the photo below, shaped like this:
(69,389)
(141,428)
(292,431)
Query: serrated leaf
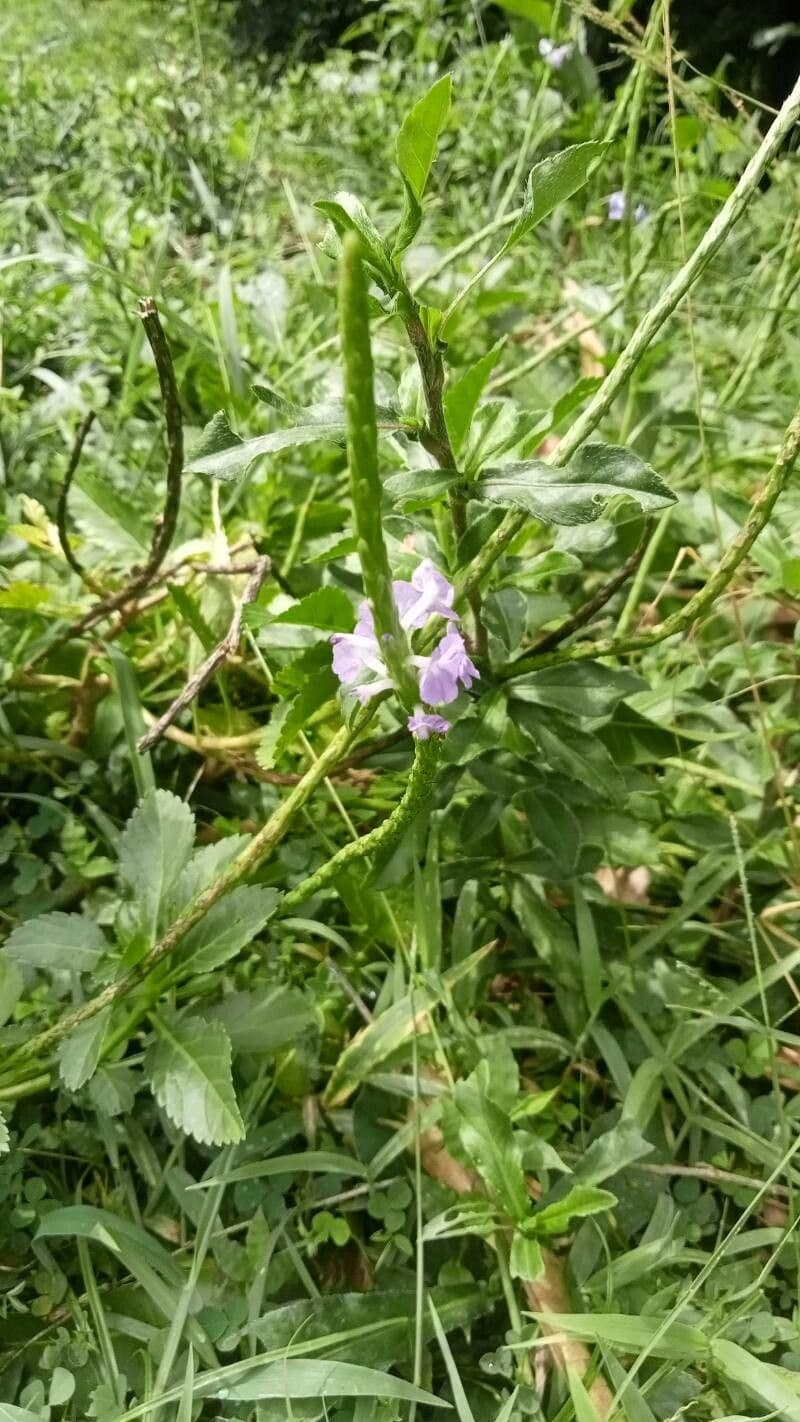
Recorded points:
(275,736)
(462,396)
(551,182)
(314,1377)
(580,688)
(575,494)
(216,437)
(580,1201)
(327,608)
(419,486)
(112,1089)
(189,1070)
(419,135)
(154,849)
(79,1052)
(228,927)
(58,942)
(205,864)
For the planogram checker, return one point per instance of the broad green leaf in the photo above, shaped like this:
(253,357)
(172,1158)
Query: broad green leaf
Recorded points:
(575,753)
(328,608)
(233,923)
(348,214)
(5,1138)
(9,1413)
(232,461)
(79,1052)
(462,396)
(580,1201)
(551,182)
(314,1377)
(419,135)
(556,828)
(375,1042)
(632,1334)
(615,1150)
(575,494)
(206,863)
(216,438)
(263,1021)
(420,486)
(587,688)
(505,616)
(488,1139)
(58,942)
(189,1069)
(154,849)
(526,1260)
(539,12)
(772,1387)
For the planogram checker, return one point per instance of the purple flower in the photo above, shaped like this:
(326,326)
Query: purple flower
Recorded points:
(423,725)
(428,594)
(556,55)
(617,208)
(355,654)
(448,665)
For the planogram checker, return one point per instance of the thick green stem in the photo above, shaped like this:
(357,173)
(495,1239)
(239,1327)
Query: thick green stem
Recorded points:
(703,600)
(648,328)
(362,456)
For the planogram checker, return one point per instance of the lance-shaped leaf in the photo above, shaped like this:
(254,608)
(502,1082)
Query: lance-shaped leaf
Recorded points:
(59,942)
(313,1377)
(551,182)
(575,494)
(462,396)
(189,1069)
(419,134)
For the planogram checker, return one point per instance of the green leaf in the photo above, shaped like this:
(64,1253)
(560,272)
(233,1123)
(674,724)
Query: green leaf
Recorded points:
(771,1386)
(575,753)
(575,494)
(79,1052)
(462,396)
(375,1042)
(632,1334)
(525,1261)
(328,608)
(420,486)
(348,214)
(154,849)
(233,923)
(551,182)
(5,1138)
(556,829)
(488,1139)
(189,1069)
(314,1377)
(505,616)
(232,461)
(419,135)
(9,1413)
(615,1150)
(539,12)
(62,1386)
(589,949)
(587,688)
(263,1021)
(206,863)
(376,1328)
(585,1410)
(306,1162)
(117,1234)
(580,1201)
(59,942)
(217,437)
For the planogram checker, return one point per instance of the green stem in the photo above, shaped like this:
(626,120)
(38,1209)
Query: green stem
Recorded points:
(715,585)
(647,329)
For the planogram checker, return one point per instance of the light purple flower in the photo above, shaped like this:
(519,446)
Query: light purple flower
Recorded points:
(448,665)
(423,725)
(617,208)
(556,55)
(355,654)
(428,594)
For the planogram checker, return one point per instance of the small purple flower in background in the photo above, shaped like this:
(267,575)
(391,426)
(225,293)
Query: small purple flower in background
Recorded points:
(556,55)
(617,208)
(358,663)
(444,669)
(428,594)
(423,725)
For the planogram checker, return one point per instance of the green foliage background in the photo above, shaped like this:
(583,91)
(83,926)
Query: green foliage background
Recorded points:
(593,927)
